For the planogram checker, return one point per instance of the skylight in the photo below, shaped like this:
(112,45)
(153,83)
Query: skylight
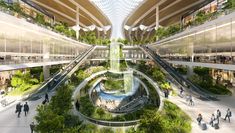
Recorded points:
(117,11)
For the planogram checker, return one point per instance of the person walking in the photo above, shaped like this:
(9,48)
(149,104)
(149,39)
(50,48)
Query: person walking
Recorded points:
(199,119)
(218,115)
(228,115)
(46,97)
(18,109)
(212,120)
(26,108)
(32,126)
(191,100)
(181,91)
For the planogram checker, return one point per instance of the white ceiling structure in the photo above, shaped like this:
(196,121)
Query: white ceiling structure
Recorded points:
(117,11)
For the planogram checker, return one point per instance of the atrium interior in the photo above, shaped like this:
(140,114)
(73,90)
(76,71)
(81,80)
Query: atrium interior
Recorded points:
(117,66)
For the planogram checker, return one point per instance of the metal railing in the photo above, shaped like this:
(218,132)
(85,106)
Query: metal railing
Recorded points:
(59,77)
(197,91)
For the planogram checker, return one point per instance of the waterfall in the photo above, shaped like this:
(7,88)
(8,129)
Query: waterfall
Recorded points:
(128,81)
(114,56)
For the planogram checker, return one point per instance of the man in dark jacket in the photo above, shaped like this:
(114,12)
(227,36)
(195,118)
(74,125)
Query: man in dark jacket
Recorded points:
(18,109)
(26,108)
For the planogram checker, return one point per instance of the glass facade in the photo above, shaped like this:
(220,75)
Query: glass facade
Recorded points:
(22,41)
(212,42)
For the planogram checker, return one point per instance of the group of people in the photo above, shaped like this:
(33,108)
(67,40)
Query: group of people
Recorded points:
(19,109)
(215,118)
(189,98)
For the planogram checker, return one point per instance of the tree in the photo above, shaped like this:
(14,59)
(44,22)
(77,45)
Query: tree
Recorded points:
(62,101)
(100,112)
(151,122)
(48,121)
(158,75)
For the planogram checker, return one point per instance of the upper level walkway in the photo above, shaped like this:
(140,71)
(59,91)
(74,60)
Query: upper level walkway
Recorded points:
(211,44)
(208,65)
(22,42)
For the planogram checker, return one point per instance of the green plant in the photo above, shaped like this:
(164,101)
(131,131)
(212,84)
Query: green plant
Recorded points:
(41,77)
(170,119)
(230,4)
(55,116)
(40,18)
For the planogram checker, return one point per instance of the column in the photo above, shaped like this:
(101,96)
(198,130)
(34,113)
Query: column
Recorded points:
(46,57)
(77,23)
(190,71)
(157,17)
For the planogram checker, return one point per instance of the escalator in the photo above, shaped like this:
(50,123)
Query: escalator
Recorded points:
(195,90)
(62,75)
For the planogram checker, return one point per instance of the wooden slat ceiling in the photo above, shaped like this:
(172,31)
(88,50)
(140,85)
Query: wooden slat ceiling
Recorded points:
(56,9)
(170,12)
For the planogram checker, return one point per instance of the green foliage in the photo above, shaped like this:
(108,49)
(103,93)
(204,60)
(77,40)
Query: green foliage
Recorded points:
(41,77)
(123,41)
(55,117)
(61,102)
(89,37)
(16,7)
(182,70)
(203,79)
(165,86)
(106,130)
(111,84)
(48,121)
(201,71)
(171,119)
(23,81)
(87,107)
(100,112)
(158,75)
(88,128)
(163,32)
(151,70)
(200,17)
(40,18)
(230,4)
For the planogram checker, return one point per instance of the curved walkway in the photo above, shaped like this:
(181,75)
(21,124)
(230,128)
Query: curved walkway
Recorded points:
(113,123)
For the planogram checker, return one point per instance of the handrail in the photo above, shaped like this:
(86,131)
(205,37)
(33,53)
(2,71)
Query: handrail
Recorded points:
(106,122)
(178,77)
(55,80)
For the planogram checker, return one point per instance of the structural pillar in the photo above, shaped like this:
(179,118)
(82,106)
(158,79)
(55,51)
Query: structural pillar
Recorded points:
(46,58)
(157,17)
(77,23)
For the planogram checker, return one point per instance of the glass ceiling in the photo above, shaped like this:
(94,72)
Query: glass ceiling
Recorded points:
(117,11)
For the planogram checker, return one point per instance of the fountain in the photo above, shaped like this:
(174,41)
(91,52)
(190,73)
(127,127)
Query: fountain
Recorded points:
(114,57)
(117,89)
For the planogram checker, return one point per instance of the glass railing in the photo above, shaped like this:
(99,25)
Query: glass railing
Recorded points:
(211,17)
(31,20)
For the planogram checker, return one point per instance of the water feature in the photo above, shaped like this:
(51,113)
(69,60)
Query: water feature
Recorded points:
(108,93)
(128,81)
(114,57)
